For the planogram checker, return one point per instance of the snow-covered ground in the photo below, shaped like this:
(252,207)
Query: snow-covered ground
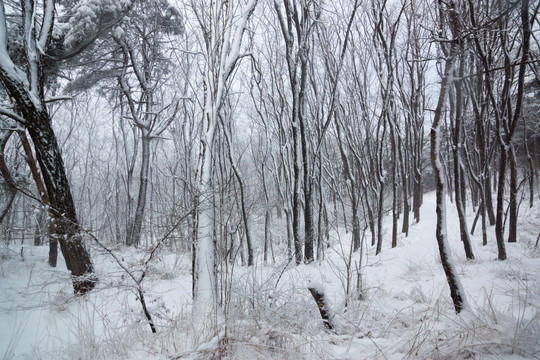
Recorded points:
(268,312)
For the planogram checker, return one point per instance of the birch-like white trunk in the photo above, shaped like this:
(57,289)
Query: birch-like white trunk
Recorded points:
(223,26)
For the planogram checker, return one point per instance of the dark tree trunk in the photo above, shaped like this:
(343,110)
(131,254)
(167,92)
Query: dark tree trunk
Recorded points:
(530,174)
(53,239)
(296,35)
(456,290)
(459,184)
(395,192)
(380,219)
(322,305)
(489,200)
(513,211)
(296,205)
(10,187)
(352,188)
(290,236)
(417,192)
(53,250)
(355,221)
(321,223)
(309,226)
(296,217)
(243,206)
(7,202)
(194,238)
(26,89)
(267,236)
(405,192)
(66,226)
(395,214)
(507,118)
(463,228)
(499,223)
(371,218)
(484,224)
(40,231)
(484,177)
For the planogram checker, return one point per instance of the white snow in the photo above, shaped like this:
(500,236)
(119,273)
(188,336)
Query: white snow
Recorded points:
(269,313)
(118,32)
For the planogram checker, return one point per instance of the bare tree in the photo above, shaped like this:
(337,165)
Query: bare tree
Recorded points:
(386,30)
(297,22)
(412,97)
(143,74)
(8,185)
(506,103)
(223,25)
(457,105)
(446,15)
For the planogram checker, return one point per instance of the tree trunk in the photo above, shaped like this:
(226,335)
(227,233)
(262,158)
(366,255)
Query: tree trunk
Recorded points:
(221,55)
(267,235)
(41,222)
(513,213)
(296,218)
(355,221)
(371,218)
(405,192)
(499,222)
(395,192)
(380,218)
(417,192)
(296,204)
(133,237)
(463,228)
(62,207)
(204,266)
(10,187)
(322,305)
(309,226)
(456,290)
(66,226)
(53,239)
(484,223)
(243,207)
(321,224)
(459,185)
(489,201)
(290,231)
(26,88)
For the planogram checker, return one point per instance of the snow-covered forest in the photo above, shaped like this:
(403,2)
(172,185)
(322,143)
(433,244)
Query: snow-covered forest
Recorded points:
(269,179)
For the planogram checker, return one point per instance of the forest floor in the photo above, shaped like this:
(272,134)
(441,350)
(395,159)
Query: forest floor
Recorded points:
(267,311)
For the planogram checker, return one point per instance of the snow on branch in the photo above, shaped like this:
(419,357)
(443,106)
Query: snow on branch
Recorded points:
(3,32)
(58,98)
(10,114)
(234,49)
(46,26)
(7,67)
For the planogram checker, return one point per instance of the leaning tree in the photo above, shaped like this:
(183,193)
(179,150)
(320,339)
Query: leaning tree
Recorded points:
(23,61)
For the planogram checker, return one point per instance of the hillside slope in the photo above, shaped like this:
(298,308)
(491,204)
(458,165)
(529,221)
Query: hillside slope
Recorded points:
(405,313)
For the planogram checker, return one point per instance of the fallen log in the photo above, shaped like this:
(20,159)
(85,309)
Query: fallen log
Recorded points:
(322,304)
